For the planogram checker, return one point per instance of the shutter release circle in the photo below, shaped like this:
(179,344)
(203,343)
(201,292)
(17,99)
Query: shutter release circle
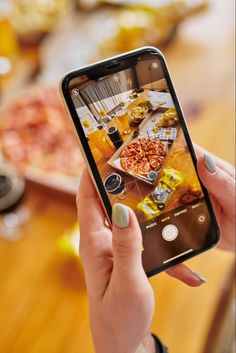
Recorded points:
(170,232)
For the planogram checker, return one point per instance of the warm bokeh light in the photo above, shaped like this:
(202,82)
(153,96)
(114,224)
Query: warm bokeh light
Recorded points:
(43,300)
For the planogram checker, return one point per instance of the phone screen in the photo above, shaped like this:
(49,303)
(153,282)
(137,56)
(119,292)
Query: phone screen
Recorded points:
(138,140)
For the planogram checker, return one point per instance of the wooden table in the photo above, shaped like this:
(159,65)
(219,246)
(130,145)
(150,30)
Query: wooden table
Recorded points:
(43,303)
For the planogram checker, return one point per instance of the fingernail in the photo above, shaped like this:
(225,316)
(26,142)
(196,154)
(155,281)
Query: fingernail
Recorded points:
(120,214)
(209,163)
(199,277)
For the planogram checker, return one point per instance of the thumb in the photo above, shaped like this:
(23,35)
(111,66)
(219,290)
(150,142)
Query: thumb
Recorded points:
(127,241)
(219,183)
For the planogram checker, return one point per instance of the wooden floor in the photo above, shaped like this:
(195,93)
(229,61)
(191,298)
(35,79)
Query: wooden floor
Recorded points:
(43,302)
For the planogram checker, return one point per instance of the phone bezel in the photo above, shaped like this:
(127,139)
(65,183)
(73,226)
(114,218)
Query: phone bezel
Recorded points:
(99,68)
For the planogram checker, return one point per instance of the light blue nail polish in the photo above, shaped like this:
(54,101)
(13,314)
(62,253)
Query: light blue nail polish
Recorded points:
(120,215)
(199,277)
(209,163)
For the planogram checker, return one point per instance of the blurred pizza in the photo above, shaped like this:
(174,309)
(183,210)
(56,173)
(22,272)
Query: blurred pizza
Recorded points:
(36,134)
(143,156)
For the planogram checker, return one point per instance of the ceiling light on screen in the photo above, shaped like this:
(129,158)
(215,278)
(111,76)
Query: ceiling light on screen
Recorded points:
(155,65)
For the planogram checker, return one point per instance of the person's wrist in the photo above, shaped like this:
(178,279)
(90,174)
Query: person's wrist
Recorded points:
(147,345)
(108,345)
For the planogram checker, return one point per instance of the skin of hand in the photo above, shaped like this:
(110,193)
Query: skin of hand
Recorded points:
(220,183)
(118,290)
(218,176)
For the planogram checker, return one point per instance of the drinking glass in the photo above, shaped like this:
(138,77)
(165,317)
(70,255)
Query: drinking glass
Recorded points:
(123,119)
(97,137)
(115,136)
(115,185)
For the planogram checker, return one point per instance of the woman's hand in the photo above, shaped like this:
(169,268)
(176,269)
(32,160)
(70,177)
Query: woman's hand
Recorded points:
(121,299)
(218,177)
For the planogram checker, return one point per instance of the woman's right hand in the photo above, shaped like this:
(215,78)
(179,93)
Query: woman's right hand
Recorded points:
(218,177)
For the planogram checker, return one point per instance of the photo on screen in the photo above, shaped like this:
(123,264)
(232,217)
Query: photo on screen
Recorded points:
(138,144)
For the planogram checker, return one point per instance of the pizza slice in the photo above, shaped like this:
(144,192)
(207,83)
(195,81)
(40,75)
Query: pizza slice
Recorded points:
(142,167)
(136,145)
(128,151)
(153,143)
(144,143)
(157,151)
(127,163)
(150,143)
(156,162)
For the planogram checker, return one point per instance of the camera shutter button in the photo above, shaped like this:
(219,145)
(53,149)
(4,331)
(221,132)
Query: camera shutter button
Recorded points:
(170,232)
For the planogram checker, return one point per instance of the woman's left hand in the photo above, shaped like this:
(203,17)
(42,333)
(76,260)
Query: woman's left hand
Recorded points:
(121,300)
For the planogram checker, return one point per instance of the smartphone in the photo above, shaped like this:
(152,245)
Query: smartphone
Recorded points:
(134,138)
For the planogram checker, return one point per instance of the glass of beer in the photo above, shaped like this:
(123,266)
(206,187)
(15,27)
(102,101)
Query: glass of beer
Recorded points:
(115,136)
(123,119)
(98,139)
(115,185)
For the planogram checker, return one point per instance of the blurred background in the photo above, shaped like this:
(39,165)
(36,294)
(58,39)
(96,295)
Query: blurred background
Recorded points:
(43,302)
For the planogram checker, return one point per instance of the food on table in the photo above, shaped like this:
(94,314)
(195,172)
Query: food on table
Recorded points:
(155,202)
(129,151)
(148,144)
(155,130)
(31,20)
(35,132)
(163,133)
(128,163)
(172,177)
(146,104)
(158,151)
(156,161)
(168,119)
(149,208)
(167,133)
(142,167)
(148,23)
(137,114)
(143,156)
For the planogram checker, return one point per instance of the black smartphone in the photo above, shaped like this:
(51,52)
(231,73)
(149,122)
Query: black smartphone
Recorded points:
(135,142)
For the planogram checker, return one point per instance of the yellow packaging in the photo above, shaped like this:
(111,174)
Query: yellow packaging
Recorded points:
(172,178)
(149,208)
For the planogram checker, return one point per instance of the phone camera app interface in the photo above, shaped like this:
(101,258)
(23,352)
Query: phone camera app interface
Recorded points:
(137,141)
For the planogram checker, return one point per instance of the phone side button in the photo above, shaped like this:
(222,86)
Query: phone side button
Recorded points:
(170,232)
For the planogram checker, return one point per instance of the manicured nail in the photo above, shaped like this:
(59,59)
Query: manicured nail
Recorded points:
(120,215)
(199,277)
(209,163)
